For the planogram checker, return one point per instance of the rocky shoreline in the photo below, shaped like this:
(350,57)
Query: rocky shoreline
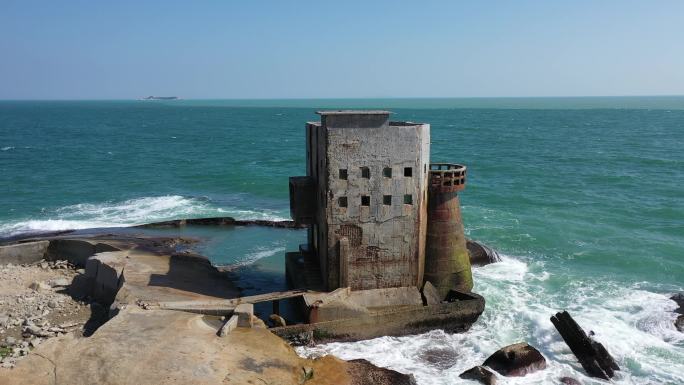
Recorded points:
(118,279)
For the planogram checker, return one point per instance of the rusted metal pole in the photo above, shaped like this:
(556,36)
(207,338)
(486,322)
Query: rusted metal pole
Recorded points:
(447,263)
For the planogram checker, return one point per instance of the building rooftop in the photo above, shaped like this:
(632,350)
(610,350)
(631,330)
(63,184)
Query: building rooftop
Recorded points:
(354,112)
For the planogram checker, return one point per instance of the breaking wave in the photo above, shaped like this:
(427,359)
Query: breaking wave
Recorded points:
(129,213)
(634,324)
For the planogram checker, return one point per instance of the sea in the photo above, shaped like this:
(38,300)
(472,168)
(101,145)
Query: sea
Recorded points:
(583,197)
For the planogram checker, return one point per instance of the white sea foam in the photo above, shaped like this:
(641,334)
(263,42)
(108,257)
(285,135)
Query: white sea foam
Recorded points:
(261,252)
(6,148)
(128,213)
(635,325)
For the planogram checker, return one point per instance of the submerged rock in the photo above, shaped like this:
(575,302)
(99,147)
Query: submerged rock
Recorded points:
(516,360)
(481,374)
(569,381)
(440,358)
(679,323)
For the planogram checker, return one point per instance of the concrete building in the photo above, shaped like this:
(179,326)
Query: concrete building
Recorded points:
(368,212)
(365,197)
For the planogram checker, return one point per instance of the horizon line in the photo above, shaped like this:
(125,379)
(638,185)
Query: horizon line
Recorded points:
(356,97)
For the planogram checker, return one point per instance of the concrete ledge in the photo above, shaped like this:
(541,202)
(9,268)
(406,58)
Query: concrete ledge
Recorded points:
(23,253)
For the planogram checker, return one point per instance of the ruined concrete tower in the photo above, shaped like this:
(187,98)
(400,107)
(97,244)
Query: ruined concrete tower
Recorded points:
(447,262)
(366,185)
(365,197)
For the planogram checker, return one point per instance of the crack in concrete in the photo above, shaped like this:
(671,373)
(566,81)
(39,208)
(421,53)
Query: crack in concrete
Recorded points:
(54,367)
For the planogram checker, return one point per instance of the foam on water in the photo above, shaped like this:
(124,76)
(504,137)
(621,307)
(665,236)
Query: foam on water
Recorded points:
(129,213)
(636,326)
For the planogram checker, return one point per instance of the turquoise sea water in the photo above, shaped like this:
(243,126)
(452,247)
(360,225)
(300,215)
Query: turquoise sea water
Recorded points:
(585,197)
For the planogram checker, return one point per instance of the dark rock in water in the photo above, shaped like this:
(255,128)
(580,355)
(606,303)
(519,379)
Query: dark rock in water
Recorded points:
(593,356)
(363,372)
(479,373)
(679,323)
(679,299)
(516,360)
(440,358)
(480,254)
(569,381)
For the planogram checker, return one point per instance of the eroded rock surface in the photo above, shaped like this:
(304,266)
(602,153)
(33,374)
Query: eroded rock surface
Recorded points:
(363,372)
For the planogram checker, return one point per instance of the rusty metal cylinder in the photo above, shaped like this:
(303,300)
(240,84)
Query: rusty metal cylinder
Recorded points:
(447,263)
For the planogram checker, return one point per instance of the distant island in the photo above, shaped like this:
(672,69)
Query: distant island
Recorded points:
(161,98)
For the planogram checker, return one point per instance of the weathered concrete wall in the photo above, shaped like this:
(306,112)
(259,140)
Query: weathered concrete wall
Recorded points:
(379,174)
(105,274)
(23,253)
(76,251)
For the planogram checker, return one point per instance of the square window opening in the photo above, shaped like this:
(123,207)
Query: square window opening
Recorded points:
(365,200)
(343,173)
(408,199)
(408,172)
(387,172)
(365,172)
(387,200)
(342,201)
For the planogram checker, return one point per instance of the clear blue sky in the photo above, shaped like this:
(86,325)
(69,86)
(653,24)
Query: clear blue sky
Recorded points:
(333,49)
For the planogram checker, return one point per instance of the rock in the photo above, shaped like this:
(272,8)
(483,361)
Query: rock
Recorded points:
(53,304)
(39,286)
(60,282)
(277,320)
(35,342)
(430,294)
(480,254)
(36,331)
(516,360)
(4,320)
(679,298)
(363,372)
(481,374)
(569,381)
(10,341)
(679,323)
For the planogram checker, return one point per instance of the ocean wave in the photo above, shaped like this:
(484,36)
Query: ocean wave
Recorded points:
(129,213)
(7,148)
(635,325)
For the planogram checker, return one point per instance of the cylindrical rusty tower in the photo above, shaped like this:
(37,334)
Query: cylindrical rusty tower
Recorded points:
(447,264)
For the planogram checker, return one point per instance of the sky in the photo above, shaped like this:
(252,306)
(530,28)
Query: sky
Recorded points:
(333,49)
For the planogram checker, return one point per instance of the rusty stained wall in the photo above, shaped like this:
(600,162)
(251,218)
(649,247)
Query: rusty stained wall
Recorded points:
(386,242)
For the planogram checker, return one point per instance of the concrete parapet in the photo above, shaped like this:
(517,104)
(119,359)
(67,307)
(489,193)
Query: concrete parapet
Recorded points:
(76,251)
(228,326)
(23,253)
(105,273)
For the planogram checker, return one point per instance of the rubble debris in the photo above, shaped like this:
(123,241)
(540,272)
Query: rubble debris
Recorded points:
(595,359)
